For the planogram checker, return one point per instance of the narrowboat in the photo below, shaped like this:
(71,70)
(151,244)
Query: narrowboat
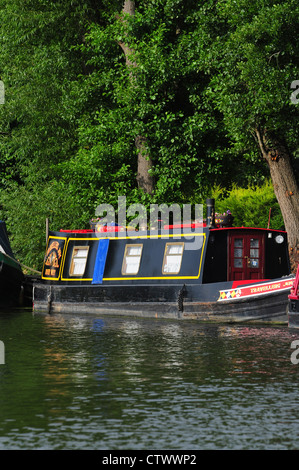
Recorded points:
(293,311)
(11,274)
(209,271)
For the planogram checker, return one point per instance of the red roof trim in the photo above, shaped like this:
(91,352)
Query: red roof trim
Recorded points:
(247,228)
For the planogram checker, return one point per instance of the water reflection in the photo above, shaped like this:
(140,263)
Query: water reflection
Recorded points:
(141,351)
(73,382)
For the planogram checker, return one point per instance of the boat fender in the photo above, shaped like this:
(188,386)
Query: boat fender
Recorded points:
(49,299)
(21,296)
(181,296)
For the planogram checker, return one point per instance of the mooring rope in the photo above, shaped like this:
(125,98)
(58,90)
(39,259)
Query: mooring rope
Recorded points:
(21,264)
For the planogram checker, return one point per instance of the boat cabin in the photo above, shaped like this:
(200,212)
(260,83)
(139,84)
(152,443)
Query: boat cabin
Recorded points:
(239,254)
(203,253)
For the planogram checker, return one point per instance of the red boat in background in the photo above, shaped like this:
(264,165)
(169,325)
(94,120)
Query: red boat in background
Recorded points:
(293,311)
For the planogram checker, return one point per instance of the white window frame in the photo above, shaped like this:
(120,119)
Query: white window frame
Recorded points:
(79,260)
(172,262)
(131,259)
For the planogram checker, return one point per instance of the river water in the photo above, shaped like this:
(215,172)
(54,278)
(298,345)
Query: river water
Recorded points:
(89,382)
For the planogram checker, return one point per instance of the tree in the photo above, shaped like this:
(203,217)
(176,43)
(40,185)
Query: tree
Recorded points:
(145,179)
(40,62)
(195,91)
(153,87)
(252,58)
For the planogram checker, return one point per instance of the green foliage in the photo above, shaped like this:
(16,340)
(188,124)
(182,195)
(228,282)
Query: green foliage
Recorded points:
(251,206)
(202,76)
(255,60)
(159,97)
(25,213)
(40,64)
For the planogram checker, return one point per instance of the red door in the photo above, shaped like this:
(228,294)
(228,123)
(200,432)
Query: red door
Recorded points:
(246,257)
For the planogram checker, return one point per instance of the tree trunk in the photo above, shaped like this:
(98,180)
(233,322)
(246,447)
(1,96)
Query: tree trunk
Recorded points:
(285,188)
(144,178)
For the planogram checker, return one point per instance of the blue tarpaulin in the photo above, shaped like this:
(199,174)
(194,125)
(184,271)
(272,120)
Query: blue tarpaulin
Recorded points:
(100,261)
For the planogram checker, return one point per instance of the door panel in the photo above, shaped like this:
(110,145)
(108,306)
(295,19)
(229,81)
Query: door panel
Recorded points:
(246,257)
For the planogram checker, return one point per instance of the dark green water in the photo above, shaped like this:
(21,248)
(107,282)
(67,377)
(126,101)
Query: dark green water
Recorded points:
(75,382)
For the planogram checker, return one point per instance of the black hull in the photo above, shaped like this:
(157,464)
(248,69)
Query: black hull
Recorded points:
(11,275)
(176,302)
(11,289)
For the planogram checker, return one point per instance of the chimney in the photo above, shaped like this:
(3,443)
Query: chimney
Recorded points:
(210,213)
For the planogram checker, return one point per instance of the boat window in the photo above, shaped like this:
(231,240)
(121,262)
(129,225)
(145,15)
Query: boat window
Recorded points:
(173,258)
(131,261)
(79,259)
(238,253)
(254,252)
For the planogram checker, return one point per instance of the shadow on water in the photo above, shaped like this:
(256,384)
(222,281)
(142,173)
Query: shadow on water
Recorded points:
(84,382)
